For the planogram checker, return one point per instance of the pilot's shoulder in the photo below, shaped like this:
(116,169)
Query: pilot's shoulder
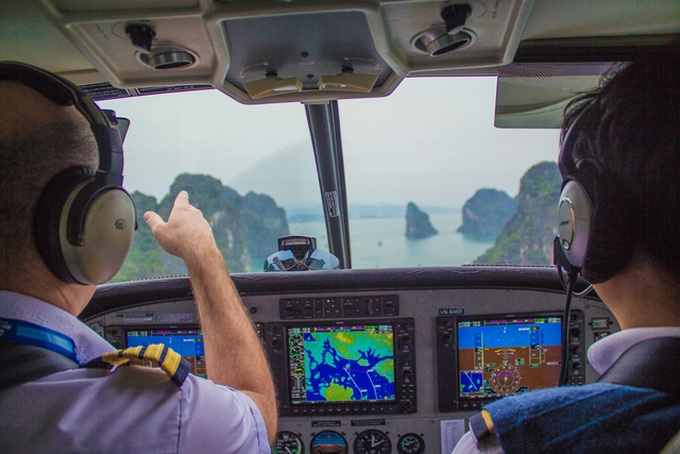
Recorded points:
(566,416)
(208,415)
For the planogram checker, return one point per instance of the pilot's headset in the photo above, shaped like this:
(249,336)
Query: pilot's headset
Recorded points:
(84,220)
(594,237)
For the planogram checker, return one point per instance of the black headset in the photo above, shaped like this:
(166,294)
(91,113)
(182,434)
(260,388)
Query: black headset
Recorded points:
(84,220)
(594,224)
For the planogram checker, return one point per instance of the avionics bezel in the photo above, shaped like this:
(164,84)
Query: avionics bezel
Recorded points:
(403,330)
(448,376)
(127,329)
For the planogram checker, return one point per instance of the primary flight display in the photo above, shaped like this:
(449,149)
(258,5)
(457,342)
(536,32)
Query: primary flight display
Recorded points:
(508,355)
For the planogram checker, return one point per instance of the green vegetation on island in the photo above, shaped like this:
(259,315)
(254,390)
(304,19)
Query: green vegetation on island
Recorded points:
(245,227)
(528,236)
(487,212)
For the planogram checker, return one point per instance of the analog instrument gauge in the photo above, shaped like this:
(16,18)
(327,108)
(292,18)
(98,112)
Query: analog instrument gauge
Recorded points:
(411,444)
(288,443)
(372,441)
(329,442)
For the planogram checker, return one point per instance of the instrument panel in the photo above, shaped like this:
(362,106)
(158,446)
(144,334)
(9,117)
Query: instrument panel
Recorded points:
(394,368)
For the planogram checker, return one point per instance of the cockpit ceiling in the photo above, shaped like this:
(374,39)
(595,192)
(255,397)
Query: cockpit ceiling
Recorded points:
(311,51)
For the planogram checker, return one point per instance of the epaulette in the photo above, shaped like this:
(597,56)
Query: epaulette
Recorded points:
(157,355)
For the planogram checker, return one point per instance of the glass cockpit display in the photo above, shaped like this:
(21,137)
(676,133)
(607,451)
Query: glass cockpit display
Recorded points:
(186,342)
(341,363)
(500,356)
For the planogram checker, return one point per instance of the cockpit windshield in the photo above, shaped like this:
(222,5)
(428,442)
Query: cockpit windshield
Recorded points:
(430,180)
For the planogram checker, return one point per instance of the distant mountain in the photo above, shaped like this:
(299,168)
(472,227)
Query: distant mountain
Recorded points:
(304,213)
(265,223)
(528,237)
(487,212)
(244,227)
(287,175)
(418,223)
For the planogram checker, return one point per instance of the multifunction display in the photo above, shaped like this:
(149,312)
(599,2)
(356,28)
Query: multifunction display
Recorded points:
(341,363)
(345,366)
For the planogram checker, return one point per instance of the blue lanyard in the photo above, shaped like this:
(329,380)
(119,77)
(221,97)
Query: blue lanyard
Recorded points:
(27,333)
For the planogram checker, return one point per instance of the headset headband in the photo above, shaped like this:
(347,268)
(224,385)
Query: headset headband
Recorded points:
(66,93)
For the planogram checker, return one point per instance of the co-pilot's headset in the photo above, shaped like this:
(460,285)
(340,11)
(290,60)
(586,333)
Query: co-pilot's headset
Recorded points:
(594,238)
(594,226)
(574,212)
(84,220)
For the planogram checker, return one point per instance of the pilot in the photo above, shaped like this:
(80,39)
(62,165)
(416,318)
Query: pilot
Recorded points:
(50,130)
(621,143)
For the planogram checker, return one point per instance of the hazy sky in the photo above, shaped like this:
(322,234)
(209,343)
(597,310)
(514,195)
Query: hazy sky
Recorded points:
(432,142)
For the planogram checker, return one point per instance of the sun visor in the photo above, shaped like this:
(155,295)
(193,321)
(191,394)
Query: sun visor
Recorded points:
(532,95)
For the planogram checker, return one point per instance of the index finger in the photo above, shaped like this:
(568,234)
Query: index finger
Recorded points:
(182,198)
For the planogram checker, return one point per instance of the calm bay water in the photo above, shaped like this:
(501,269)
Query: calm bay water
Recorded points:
(381,243)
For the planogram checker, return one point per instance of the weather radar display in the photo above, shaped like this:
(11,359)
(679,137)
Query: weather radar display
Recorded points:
(341,363)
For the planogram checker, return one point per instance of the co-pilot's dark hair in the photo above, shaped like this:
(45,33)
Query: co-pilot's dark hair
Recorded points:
(628,131)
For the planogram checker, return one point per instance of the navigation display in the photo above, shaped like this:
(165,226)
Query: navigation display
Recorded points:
(500,356)
(186,342)
(341,363)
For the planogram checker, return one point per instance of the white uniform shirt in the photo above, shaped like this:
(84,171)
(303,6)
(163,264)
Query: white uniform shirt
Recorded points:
(133,409)
(601,355)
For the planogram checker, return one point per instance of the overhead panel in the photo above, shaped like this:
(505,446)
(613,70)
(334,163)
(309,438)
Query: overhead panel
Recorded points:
(263,51)
(490,33)
(98,29)
(276,56)
(267,51)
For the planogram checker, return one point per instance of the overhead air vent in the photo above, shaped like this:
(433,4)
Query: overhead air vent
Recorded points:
(452,36)
(437,41)
(168,57)
(142,36)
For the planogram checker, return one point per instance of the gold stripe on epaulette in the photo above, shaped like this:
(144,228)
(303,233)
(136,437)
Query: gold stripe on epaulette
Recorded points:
(172,362)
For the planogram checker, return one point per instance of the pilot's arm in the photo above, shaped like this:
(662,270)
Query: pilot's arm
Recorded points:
(233,352)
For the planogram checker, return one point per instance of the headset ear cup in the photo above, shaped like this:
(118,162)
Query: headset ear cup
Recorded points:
(103,221)
(106,224)
(574,220)
(51,212)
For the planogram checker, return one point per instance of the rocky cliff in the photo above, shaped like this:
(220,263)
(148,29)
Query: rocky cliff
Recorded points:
(487,212)
(418,223)
(243,227)
(528,236)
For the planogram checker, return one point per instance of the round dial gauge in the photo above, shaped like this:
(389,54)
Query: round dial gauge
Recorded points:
(329,442)
(372,442)
(505,379)
(288,443)
(411,444)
